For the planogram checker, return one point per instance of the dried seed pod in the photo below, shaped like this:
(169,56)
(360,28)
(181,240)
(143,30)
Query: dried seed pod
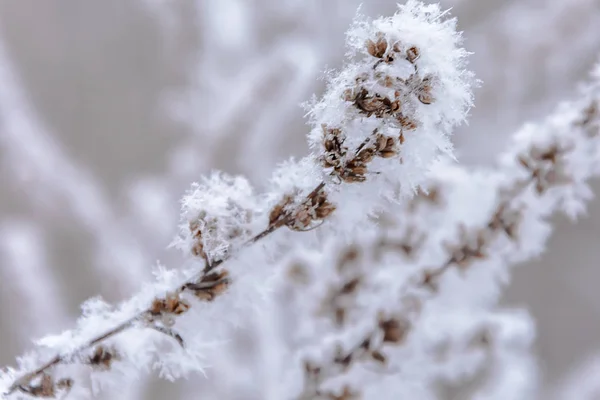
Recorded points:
(65,384)
(314,208)
(407,123)
(354,171)
(385,146)
(171,304)
(424,91)
(324,209)
(210,285)
(354,175)
(197,250)
(348,95)
(425,97)
(350,286)
(387,81)
(366,155)
(361,78)
(412,54)
(350,255)
(46,387)
(343,359)
(377,104)
(280,210)
(367,103)
(387,154)
(380,142)
(378,48)
(298,273)
(103,358)
(394,330)
(378,356)
(175,304)
(217,213)
(333,139)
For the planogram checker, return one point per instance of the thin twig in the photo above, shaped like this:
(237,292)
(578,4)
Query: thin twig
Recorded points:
(58,359)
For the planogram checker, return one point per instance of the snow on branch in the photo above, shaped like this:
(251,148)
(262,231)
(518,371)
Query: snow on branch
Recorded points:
(382,123)
(407,307)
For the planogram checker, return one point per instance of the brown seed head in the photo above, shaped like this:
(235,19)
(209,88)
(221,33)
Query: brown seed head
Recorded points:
(377,48)
(412,54)
(394,330)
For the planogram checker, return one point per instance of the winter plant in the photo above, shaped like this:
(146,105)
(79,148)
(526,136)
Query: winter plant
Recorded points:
(385,259)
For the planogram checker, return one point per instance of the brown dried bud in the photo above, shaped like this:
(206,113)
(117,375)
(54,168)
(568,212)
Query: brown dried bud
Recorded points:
(315,207)
(171,304)
(343,359)
(387,154)
(198,249)
(324,209)
(350,286)
(65,384)
(425,98)
(385,146)
(46,388)
(377,49)
(175,305)
(348,95)
(279,211)
(401,138)
(412,54)
(340,316)
(394,330)
(366,344)
(388,81)
(352,177)
(349,256)
(354,171)
(210,285)
(407,123)
(366,155)
(424,91)
(103,358)
(367,103)
(197,246)
(378,356)
(333,140)
(298,273)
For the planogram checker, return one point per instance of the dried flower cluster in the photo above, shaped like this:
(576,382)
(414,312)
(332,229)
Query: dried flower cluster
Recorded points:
(342,333)
(46,387)
(216,228)
(387,98)
(362,118)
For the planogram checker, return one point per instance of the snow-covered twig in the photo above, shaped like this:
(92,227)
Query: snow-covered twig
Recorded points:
(381,124)
(406,298)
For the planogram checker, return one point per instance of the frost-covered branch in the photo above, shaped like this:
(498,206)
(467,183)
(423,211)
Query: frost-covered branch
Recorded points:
(417,301)
(381,124)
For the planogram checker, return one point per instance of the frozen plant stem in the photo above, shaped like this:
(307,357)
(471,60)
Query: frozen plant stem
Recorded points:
(24,380)
(383,121)
(546,170)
